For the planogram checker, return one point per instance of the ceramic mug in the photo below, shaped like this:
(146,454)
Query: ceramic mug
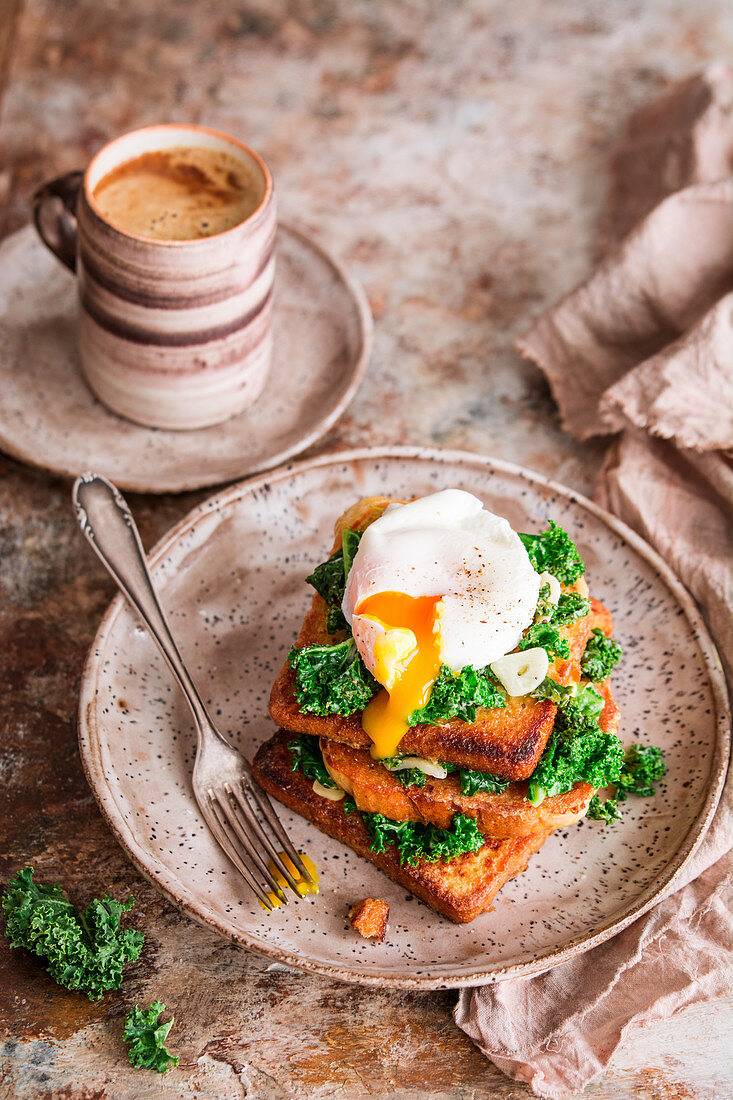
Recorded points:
(173,333)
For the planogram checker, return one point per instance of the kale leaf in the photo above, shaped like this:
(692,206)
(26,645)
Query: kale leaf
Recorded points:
(587,703)
(147,1038)
(349,545)
(578,749)
(606,810)
(85,952)
(570,606)
(408,777)
(329,579)
(411,777)
(418,842)
(583,755)
(546,636)
(556,693)
(544,631)
(643,767)
(554,552)
(331,679)
(600,658)
(306,757)
(335,620)
(472,782)
(545,606)
(458,695)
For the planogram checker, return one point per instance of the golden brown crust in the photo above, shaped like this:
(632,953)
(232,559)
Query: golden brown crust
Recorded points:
(507,742)
(460,889)
(508,814)
(369,918)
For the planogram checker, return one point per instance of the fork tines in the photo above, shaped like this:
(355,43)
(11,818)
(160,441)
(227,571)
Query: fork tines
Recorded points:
(243,838)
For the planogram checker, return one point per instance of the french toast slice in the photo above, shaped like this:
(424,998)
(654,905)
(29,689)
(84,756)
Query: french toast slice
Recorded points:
(506,742)
(460,889)
(506,814)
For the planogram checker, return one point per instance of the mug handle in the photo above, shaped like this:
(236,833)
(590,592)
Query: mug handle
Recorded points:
(58,230)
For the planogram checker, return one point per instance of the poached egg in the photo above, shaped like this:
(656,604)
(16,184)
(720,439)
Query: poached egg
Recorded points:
(437,581)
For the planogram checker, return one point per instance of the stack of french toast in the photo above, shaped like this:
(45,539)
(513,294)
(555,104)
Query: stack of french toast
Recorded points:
(459,809)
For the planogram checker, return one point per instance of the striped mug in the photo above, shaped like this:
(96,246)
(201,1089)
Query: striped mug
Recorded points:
(174,333)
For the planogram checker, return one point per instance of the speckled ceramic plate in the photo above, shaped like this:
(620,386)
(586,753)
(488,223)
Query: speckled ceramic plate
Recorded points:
(231,577)
(49,417)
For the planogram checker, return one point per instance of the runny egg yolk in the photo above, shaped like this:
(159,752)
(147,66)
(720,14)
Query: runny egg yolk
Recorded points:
(303,886)
(407,662)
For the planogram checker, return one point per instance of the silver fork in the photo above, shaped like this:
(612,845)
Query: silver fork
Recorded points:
(229,799)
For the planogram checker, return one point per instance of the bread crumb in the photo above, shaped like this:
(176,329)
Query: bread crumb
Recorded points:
(369,917)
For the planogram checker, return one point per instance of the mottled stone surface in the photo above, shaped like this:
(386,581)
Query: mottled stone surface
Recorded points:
(454,155)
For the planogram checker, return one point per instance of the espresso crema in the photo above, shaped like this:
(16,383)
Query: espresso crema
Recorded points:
(179,194)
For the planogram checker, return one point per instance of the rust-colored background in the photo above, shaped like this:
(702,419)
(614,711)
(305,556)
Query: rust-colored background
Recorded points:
(454,155)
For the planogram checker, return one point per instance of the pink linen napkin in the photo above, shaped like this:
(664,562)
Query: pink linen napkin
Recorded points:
(644,348)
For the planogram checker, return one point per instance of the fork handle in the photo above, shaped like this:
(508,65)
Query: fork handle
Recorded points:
(107,523)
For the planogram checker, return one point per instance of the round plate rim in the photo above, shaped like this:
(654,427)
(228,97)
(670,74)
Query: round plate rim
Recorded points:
(174,484)
(662,885)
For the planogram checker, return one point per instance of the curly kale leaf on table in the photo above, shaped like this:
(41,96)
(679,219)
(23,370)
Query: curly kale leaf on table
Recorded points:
(147,1036)
(81,951)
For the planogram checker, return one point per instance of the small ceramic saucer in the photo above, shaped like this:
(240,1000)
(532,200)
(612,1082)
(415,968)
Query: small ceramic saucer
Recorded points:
(50,418)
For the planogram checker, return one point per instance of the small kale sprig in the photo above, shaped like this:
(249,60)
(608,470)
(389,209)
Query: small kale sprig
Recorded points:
(306,757)
(643,767)
(600,657)
(419,843)
(331,679)
(605,810)
(81,951)
(457,695)
(329,579)
(554,552)
(147,1036)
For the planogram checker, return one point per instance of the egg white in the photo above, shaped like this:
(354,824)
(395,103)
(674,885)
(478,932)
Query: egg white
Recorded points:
(449,546)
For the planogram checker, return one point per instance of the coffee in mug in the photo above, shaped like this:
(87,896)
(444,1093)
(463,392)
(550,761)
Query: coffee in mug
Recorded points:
(178,194)
(171,232)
